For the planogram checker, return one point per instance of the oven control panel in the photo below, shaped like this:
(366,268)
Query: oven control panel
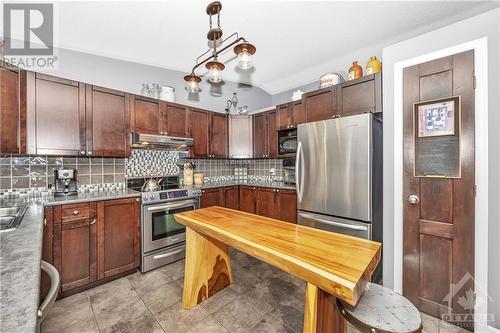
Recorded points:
(158,196)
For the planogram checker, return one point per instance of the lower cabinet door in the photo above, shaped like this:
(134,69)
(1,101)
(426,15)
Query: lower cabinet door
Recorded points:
(75,253)
(231,197)
(118,236)
(248,199)
(210,197)
(267,204)
(287,200)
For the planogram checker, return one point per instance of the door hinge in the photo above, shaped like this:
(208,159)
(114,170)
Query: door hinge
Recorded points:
(475,190)
(474,81)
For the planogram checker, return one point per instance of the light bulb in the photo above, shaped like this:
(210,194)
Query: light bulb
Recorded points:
(244,60)
(215,74)
(192,86)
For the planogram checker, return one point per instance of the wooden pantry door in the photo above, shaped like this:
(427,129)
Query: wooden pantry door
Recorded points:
(438,233)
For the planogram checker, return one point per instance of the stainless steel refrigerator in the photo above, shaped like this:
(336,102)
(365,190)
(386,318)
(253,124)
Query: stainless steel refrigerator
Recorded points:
(339,176)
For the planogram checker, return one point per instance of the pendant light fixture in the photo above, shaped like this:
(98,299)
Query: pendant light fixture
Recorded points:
(243,49)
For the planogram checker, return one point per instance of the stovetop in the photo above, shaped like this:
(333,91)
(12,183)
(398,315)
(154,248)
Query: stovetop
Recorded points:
(170,190)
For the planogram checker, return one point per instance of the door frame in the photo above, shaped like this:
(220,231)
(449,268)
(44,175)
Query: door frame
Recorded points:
(480,48)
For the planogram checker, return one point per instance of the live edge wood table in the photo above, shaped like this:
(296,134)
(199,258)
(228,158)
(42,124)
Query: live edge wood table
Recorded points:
(333,265)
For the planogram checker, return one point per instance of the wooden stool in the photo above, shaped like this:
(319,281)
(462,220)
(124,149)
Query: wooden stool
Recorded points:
(382,310)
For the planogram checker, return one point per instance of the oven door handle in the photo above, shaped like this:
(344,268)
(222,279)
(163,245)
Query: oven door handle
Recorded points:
(171,206)
(165,255)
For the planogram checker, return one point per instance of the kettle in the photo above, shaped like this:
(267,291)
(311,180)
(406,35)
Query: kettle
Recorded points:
(151,185)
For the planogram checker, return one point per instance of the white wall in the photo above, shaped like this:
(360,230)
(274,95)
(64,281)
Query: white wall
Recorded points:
(128,76)
(483,25)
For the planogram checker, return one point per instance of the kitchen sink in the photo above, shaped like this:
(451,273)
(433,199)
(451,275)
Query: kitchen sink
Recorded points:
(11,217)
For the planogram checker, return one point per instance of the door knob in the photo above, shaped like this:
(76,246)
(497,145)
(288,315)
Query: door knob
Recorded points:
(413,199)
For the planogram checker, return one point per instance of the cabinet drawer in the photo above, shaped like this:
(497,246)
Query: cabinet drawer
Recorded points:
(75,212)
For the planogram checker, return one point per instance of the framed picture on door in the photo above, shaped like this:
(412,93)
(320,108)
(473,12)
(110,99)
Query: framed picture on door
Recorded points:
(437,138)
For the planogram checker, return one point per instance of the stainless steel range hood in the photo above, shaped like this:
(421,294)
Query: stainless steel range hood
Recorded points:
(151,141)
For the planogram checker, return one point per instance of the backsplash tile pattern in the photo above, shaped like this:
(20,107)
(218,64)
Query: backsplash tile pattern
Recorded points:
(37,172)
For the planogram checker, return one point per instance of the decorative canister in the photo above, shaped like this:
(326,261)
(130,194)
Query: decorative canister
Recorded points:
(188,177)
(297,95)
(355,72)
(198,179)
(330,79)
(373,66)
(167,93)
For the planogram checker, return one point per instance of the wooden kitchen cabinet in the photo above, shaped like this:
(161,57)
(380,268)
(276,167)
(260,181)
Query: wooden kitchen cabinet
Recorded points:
(146,117)
(230,195)
(12,110)
(56,115)
(118,236)
(174,120)
(265,135)
(267,202)
(320,104)
(248,199)
(210,197)
(361,96)
(272,135)
(107,122)
(287,203)
(75,245)
(289,115)
(218,135)
(200,121)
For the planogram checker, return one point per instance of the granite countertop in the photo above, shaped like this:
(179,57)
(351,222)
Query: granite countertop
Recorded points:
(256,183)
(20,255)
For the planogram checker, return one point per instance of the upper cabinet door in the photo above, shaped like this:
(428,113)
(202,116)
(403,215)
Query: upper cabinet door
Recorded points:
(218,135)
(284,116)
(259,135)
(361,96)
(272,135)
(200,120)
(320,104)
(146,115)
(108,129)
(298,113)
(12,111)
(175,120)
(56,115)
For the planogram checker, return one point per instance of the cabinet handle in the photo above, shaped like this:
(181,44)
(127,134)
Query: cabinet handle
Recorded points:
(89,153)
(137,200)
(76,212)
(44,221)
(277,190)
(93,221)
(82,152)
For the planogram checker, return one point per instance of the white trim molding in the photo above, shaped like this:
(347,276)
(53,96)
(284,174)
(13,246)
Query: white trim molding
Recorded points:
(480,47)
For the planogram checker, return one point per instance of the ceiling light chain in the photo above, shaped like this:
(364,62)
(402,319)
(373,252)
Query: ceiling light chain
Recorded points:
(243,50)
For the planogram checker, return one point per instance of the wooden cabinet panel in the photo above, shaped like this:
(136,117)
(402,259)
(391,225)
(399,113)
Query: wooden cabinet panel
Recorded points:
(12,111)
(118,236)
(146,115)
(210,197)
(75,252)
(287,202)
(108,127)
(200,120)
(320,104)
(248,197)
(231,197)
(57,106)
(259,135)
(174,120)
(75,212)
(272,135)
(47,254)
(284,116)
(298,114)
(267,204)
(358,98)
(218,135)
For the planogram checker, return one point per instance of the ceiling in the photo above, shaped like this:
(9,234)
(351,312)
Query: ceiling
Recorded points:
(289,36)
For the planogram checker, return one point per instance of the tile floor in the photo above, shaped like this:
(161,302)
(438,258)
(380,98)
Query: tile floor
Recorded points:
(261,299)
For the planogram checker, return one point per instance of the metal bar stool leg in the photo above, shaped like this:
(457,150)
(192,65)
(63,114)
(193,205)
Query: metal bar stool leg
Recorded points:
(47,303)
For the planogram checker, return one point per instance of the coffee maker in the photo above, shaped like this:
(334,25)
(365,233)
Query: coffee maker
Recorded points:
(65,182)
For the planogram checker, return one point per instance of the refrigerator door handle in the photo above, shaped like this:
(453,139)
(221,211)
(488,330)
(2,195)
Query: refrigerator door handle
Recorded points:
(337,224)
(299,172)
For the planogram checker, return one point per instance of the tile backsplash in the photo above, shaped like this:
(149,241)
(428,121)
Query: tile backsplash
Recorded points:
(22,172)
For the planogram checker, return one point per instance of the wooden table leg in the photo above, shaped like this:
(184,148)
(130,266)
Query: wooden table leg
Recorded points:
(208,268)
(321,314)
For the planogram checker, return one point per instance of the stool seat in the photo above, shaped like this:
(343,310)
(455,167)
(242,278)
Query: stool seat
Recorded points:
(382,310)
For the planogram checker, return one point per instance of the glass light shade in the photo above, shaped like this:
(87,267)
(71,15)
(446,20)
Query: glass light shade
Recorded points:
(192,86)
(245,60)
(215,74)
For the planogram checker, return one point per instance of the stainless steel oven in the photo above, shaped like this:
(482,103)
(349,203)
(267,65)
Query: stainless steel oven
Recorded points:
(287,141)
